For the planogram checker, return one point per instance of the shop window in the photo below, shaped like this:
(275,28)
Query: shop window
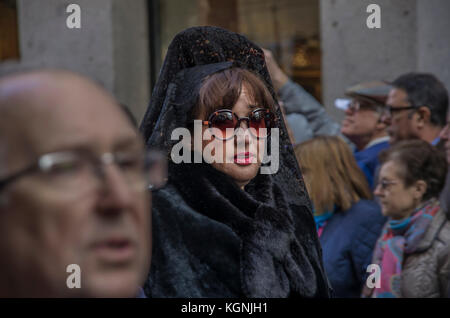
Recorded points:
(9,40)
(289,28)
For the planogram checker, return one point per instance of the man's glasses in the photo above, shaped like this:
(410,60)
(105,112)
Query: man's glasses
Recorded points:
(356,106)
(260,122)
(77,170)
(389,110)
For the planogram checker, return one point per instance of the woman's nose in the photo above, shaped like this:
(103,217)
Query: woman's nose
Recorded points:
(377,191)
(242,134)
(243,124)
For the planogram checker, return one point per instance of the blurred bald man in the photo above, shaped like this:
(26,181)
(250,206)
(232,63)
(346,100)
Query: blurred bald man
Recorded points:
(73,190)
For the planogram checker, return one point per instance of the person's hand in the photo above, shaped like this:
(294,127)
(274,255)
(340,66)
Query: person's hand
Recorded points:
(279,78)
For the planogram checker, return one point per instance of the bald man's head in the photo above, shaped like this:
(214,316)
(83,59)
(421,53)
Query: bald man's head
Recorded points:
(63,209)
(29,101)
(36,89)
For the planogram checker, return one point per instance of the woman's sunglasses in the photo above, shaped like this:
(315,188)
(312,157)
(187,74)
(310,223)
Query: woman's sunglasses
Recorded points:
(260,121)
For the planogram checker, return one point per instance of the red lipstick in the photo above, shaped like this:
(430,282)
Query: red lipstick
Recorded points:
(244,158)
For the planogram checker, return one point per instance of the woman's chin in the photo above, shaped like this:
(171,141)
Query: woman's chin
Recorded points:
(243,173)
(385,211)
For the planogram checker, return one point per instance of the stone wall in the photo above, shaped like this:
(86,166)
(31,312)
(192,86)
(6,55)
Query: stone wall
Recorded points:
(111,47)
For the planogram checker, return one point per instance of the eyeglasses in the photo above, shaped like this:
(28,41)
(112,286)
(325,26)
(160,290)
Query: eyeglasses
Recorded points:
(356,105)
(384,184)
(389,110)
(77,170)
(260,122)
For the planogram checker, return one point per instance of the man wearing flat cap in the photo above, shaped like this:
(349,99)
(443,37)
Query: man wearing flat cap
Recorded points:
(364,126)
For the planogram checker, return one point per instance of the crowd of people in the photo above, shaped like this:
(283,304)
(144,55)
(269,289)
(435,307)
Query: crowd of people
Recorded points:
(82,185)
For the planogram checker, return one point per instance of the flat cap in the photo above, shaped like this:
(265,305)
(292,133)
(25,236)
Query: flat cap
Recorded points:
(372,92)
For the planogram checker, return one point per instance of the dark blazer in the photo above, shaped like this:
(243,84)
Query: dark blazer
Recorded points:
(348,241)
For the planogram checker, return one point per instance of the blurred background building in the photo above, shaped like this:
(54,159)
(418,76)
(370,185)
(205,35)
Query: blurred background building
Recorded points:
(324,45)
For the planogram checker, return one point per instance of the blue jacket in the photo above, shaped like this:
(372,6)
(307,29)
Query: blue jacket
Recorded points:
(367,160)
(348,241)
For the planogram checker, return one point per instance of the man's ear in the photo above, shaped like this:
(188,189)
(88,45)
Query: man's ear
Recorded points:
(423,116)
(381,124)
(420,188)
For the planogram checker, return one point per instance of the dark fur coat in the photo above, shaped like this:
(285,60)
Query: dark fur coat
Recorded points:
(211,238)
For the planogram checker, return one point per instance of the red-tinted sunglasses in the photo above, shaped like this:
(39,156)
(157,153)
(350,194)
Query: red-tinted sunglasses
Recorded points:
(260,122)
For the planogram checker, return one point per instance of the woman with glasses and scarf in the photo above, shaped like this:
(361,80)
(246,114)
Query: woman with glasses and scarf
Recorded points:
(221,227)
(413,251)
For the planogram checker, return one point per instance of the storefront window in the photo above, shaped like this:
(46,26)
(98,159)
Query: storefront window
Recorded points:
(289,28)
(9,41)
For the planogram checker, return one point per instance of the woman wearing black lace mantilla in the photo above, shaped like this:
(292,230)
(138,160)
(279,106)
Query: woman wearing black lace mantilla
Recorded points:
(227,229)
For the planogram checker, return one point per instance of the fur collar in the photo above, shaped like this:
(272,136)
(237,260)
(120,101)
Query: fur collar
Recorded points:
(273,260)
